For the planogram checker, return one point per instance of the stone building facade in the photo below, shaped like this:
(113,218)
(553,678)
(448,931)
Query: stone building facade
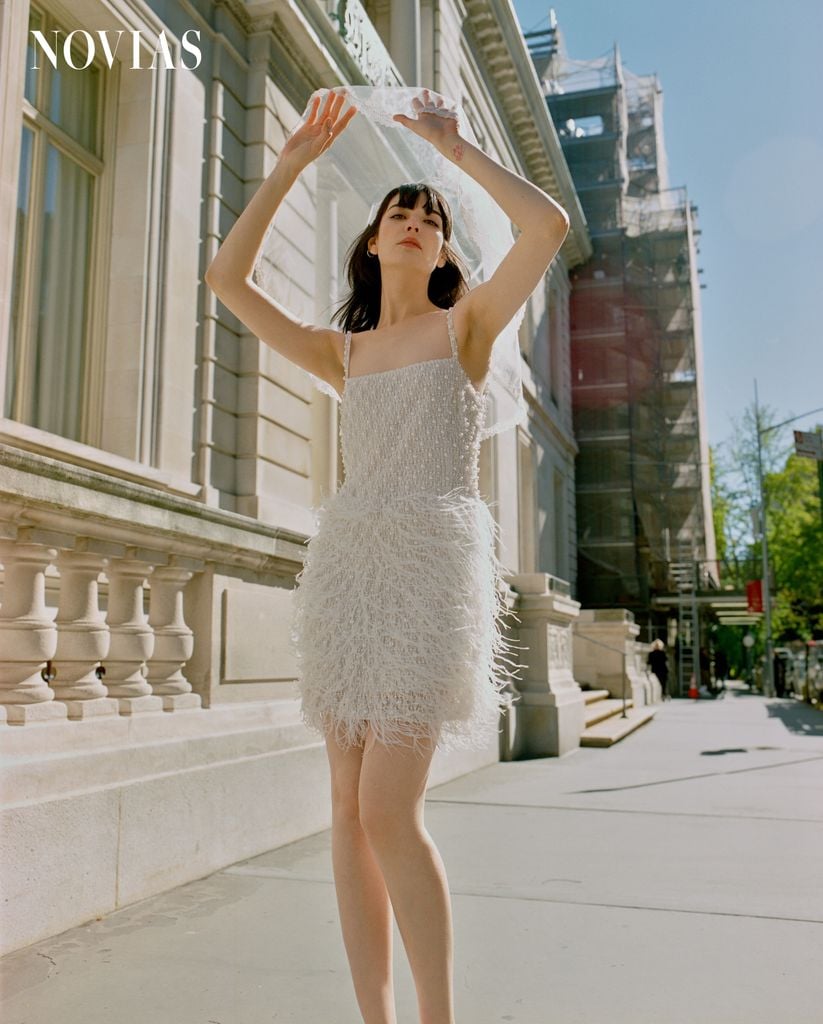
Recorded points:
(158,464)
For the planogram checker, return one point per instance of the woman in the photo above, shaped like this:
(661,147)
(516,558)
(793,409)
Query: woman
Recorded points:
(659,664)
(397,614)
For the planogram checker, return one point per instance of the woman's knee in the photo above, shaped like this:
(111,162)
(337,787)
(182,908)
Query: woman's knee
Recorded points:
(384,819)
(345,765)
(391,793)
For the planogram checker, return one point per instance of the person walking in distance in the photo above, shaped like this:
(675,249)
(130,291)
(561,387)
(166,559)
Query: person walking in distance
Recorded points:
(397,621)
(659,664)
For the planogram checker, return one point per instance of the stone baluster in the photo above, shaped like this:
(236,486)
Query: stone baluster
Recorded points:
(82,637)
(132,639)
(551,709)
(28,635)
(173,640)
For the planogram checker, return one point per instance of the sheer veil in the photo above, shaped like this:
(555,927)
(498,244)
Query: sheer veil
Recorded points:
(374,154)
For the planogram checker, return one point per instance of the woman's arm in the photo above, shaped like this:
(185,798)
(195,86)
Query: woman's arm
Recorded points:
(544,225)
(230,273)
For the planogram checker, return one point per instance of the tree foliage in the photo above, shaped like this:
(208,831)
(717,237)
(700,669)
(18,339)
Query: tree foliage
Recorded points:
(796,549)
(793,521)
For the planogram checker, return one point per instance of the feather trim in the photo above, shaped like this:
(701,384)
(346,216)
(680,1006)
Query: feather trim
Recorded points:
(398,621)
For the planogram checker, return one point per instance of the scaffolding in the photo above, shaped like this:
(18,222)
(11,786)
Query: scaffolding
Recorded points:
(642,482)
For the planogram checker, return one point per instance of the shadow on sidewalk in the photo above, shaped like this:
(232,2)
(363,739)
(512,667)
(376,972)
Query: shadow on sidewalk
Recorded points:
(801,719)
(798,717)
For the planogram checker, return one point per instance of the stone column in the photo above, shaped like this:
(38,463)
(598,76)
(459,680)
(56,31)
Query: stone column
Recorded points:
(551,709)
(82,637)
(173,640)
(405,39)
(604,652)
(28,636)
(132,639)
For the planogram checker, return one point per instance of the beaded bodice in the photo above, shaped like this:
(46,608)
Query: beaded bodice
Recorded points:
(411,429)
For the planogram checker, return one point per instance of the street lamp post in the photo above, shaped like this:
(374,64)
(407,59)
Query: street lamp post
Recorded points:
(768,675)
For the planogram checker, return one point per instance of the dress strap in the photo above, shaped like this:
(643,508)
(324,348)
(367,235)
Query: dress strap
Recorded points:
(346,351)
(452,335)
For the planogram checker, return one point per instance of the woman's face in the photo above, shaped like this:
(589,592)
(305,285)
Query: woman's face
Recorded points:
(411,238)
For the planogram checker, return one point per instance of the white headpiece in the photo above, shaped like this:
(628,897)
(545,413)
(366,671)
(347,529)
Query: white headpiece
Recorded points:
(374,155)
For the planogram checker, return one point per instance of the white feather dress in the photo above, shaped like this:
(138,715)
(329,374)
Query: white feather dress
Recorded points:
(397,615)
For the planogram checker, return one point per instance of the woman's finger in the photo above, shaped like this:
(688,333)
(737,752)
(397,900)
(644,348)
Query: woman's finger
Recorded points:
(313,110)
(344,120)
(347,117)
(328,106)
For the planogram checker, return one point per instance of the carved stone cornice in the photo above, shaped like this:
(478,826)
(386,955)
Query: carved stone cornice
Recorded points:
(43,500)
(502,53)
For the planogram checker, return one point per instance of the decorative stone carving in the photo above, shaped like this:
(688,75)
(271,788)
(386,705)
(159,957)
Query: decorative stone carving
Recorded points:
(560,649)
(365,45)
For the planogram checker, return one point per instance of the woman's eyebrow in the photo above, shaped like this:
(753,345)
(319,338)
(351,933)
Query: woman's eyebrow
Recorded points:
(434,213)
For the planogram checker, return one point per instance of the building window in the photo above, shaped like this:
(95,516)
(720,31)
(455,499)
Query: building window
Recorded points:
(57,196)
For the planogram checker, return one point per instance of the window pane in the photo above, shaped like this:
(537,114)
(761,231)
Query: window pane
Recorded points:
(61,302)
(73,96)
(20,231)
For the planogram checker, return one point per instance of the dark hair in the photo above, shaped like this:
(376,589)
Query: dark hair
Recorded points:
(361,310)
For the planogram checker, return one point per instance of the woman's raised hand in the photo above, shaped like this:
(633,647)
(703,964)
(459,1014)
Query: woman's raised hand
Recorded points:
(319,131)
(440,129)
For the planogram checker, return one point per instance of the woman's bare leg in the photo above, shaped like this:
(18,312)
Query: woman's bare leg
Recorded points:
(362,899)
(392,793)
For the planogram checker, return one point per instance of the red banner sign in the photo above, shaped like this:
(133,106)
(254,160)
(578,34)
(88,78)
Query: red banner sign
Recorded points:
(754,596)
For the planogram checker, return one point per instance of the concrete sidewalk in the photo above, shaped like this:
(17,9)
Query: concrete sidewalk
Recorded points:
(672,879)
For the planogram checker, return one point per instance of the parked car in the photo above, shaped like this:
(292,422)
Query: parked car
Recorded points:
(802,667)
(812,687)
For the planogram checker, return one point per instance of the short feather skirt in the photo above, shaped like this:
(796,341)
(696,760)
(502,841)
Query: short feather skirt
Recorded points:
(398,622)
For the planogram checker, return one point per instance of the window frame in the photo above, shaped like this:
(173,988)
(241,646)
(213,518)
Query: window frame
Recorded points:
(98,166)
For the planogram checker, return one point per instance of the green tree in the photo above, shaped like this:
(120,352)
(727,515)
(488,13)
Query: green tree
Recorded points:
(736,493)
(793,520)
(796,549)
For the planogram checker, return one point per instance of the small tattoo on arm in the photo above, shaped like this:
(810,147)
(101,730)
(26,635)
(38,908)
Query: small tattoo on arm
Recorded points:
(458,151)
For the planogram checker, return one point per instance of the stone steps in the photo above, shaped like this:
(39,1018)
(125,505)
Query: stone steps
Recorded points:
(605,724)
(605,707)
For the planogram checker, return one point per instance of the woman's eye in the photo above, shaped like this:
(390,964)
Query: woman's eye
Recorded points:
(428,221)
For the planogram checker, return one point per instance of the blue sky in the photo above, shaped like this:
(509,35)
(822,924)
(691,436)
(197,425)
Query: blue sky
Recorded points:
(743,122)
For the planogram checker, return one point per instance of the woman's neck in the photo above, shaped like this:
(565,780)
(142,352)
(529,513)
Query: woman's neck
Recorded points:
(403,296)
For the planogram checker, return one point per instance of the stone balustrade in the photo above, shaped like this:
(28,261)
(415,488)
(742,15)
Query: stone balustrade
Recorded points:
(87,658)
